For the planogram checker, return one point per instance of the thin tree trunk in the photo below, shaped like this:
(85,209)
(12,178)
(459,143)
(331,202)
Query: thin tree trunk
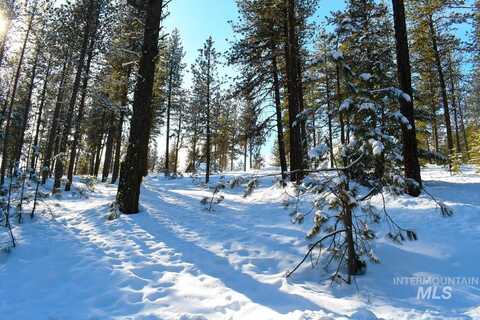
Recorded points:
(43,95)
(207,174)
(169,105)
(28,104)
(53,128)
(75,89)
(278,113)
(462,126)
(118,147)
(443,89)
(454,104)
(108,154)
(81,108)
(6,136)
(177,144)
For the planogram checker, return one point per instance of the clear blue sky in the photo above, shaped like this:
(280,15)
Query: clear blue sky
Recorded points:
(199,19)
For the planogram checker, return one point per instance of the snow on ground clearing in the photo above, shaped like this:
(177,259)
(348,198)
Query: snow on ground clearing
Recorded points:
(176,260)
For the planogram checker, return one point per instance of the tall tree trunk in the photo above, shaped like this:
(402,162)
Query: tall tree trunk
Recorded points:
(464,133)
(410,156)
(81,108)
(118,147)
(208,146)
(245,155)
(75,88)
(169,105)
(136,160)
(53,127)
(36,147)
(453,96)
(28,105)
(178,141)
(108,154)
(98,156)
(6,136)
(278,113)
(443,88)
(329,114)
(433,110)
(294,102)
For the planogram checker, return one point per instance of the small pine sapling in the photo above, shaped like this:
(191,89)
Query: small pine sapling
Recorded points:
(215,198)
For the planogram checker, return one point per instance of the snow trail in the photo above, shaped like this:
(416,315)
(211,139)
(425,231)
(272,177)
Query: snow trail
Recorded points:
(176,260)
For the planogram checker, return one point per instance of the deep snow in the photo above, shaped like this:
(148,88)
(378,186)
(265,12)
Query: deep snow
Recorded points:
(175,260)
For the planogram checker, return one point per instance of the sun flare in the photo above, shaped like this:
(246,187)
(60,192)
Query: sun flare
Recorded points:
(3,24)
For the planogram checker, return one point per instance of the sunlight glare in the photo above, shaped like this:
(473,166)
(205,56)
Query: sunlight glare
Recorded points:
(3,24)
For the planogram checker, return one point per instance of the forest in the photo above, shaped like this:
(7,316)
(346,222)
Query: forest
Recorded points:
(322,162)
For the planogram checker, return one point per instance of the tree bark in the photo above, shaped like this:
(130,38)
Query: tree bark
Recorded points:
(28,105)
(75,88)
(81,108)
(136,160)
(278,113)
(56,114)
(208,146)
(169,105)
(118,146)
(36,147)
(5,160)
(443,88)
(410,156)
(108,154)
(294,101)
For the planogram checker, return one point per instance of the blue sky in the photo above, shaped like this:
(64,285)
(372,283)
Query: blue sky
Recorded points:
(199,19)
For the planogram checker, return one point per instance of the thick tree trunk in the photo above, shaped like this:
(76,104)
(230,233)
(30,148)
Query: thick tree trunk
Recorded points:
(443,88)
(294,100)
(410,157)
(278,113)
(135,162)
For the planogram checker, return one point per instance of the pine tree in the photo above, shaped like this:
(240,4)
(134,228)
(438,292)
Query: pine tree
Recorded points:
(205,85)
(135,163)
(410,158)
(175,68)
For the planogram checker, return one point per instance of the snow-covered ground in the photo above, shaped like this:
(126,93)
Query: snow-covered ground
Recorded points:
(176,260)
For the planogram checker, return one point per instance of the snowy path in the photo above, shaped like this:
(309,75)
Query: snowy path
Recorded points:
(177,261)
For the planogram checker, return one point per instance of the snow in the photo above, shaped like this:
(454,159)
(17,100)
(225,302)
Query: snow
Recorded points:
(318,151)
(175,260)
(337,55)
(365,76)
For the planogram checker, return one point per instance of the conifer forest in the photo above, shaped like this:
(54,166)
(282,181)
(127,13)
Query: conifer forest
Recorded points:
(239,159)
